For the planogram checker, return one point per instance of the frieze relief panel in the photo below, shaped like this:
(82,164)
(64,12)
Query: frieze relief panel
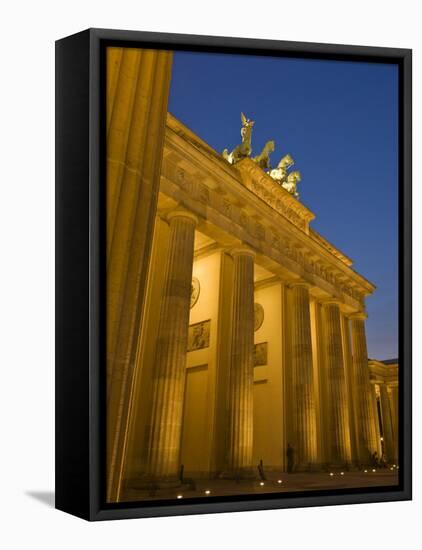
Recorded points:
(261,354)
(199,335)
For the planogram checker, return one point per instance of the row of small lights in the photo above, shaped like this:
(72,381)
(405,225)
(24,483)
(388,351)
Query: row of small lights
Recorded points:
(279,481)
(391,468)
(208,492)
(366,471)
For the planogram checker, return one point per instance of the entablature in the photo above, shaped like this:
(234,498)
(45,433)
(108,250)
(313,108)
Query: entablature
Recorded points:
(225,199)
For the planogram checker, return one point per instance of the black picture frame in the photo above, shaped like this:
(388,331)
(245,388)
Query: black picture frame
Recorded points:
(80,418)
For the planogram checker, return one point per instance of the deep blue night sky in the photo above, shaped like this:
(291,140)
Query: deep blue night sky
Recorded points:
(339,121)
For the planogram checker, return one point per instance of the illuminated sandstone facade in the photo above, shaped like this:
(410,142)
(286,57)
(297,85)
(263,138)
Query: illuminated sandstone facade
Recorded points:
(233,327)
(247,241)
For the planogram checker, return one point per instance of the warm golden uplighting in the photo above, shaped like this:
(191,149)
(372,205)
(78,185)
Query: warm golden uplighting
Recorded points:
(236,310)
(373,470)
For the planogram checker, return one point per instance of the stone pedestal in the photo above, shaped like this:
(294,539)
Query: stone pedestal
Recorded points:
(138,83)
(240,393)
(170,360)
(338,417)
(303,402)
(366,423)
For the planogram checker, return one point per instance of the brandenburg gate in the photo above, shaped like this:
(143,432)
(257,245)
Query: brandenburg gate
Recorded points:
(250,334)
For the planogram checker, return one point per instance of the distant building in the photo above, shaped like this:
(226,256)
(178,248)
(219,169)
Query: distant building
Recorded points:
(385,381)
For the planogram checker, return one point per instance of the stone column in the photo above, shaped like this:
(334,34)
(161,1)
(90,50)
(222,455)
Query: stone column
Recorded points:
(338,417)
(366,423)
(240,393)
(387,424)
(374,401)
(170,360)
(394,404)
(350,388)
(304,420)
(138,83)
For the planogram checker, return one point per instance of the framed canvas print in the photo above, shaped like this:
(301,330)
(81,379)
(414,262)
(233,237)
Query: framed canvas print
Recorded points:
(233,274)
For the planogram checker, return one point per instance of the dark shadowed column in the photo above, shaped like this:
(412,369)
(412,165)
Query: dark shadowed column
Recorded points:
(170,360)
(138,83)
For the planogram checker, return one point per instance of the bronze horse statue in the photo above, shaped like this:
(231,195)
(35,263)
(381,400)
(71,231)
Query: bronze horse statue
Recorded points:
(263,160)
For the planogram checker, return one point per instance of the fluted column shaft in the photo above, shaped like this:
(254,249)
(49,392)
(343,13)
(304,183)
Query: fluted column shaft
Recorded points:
(138,83)
(339,433)
(302,378)
(387,427)
(366,427)
(240,397)
(170,360)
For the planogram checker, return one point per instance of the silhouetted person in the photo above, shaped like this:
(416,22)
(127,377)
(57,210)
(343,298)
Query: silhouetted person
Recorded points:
(261,470)
(374,460)
(290,452)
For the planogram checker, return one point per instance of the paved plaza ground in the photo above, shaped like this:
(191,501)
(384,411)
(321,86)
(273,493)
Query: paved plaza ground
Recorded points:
(275,483)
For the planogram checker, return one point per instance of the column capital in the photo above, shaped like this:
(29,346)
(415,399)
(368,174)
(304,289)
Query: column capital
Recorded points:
(358,316)
(182,213)
(299,284)
(331,301)
(242,251)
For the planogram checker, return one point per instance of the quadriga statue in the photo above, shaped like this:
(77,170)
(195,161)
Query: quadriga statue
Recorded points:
(244,149)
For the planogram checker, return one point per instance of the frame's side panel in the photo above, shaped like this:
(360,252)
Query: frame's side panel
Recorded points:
(405,277)
(72,274)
